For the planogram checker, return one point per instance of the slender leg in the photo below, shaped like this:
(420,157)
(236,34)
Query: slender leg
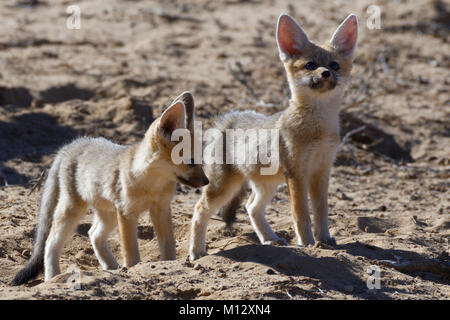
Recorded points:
(128,237)
(211,200)
(250,199)
(66,217)
(299,206)
(318,189)
(162,223)
(261,195)
(204,209)
(104,223)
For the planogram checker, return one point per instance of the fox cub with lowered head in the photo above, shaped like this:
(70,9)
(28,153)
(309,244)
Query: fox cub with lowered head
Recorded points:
(118,183)
(308,140)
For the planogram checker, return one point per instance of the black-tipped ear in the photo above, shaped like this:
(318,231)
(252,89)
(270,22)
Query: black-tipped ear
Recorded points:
(291,38)
(345,36)
(188,100)
(172,119)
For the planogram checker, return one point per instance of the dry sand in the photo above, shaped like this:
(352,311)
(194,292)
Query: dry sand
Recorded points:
(389,195)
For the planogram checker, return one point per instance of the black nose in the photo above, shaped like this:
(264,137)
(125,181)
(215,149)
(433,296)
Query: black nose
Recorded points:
(326,74)
(205,181)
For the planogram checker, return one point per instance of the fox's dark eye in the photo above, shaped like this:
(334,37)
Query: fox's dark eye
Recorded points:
(334,65)
(311,66)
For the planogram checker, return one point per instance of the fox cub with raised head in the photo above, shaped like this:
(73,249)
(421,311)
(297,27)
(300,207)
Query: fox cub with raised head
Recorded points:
(118,183)
(308,140)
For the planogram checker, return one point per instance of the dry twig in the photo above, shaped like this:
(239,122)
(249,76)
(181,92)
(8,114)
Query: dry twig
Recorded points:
(236,239)
(351,133)
(432,266)
(38,182)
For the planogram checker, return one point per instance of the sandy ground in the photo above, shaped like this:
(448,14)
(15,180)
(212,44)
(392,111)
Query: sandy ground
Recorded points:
(389,195)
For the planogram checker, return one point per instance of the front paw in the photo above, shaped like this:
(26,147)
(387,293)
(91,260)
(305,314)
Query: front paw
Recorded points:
(331,242)
(276,242)
(306,243)
(328,242)
(194,255)
(111,266)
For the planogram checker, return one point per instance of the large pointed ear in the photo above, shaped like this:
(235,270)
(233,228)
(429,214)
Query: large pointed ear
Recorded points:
(188,99)
(345,36)
(173,118)
(291,38)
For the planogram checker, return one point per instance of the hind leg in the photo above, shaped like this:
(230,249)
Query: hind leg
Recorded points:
(66,217)
(250,199)
(256,204)
(104,223)
(213,197)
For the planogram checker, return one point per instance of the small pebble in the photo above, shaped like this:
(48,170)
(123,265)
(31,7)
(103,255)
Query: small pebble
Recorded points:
(204,293)
(270,271)
(197,266)
(433,63)
(442,161)
(98,292)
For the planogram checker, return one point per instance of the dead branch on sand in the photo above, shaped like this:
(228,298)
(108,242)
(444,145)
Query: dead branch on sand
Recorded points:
(38,182)
(439,266)
(350,133)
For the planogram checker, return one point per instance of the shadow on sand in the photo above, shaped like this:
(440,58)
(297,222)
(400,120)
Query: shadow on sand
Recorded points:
(334,272)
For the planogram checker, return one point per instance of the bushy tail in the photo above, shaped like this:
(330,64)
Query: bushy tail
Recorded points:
(47,208)
(228,212)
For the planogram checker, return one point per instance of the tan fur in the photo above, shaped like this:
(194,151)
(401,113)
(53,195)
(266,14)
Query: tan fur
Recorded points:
(309,137)
(118,183)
